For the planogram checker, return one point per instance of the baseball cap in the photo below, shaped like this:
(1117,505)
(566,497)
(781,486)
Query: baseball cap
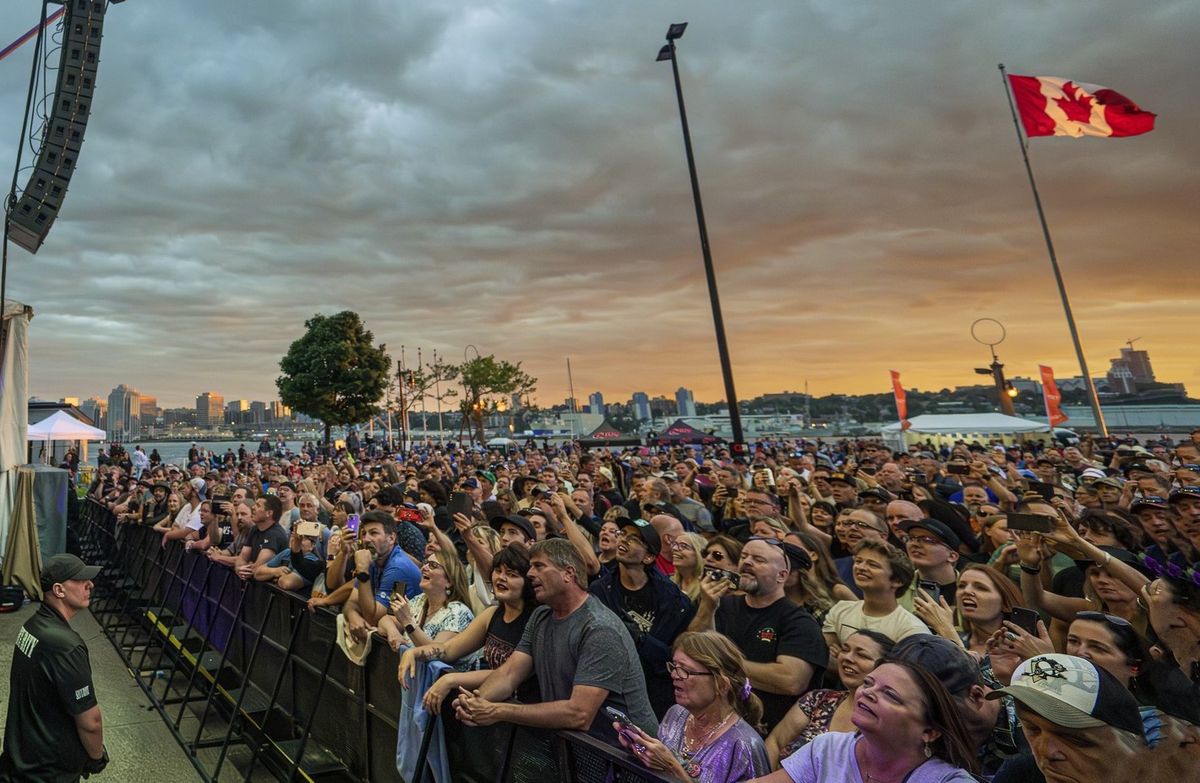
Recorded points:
(1149,501)
(63,568)
(1074,693)
(197,484)
(797,557)
(844,478)
(516,520)
(939,530)
(486,474)
(647,533)
(941,657)
(877,492)
(1179,493)
(1109,481)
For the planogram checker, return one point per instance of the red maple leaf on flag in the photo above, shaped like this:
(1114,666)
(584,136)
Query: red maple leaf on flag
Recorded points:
(1076,104)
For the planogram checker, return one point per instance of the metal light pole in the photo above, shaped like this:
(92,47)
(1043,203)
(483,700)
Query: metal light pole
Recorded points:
(674,32)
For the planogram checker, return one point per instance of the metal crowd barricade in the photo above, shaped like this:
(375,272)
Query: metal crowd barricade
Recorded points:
(247,679)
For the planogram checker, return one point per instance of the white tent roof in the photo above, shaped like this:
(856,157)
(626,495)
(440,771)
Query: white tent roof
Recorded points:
(63,426)
(951,423)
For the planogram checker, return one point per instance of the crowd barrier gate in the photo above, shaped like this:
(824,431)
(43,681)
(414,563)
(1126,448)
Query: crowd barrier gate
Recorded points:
(229,663)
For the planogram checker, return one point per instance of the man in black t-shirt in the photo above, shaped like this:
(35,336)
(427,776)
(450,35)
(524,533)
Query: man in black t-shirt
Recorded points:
(54,731)
(785,651)
(266,540)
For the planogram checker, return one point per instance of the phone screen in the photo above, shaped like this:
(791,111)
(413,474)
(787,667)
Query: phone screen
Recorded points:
(352,523)
(461,503)
(1025,619)
(1038,523)
(932,588)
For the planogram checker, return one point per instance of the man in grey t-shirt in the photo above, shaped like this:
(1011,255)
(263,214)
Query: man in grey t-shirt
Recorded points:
(580,651)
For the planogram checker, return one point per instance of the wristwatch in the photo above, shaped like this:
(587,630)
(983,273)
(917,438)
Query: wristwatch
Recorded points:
(408,629)
(363,577)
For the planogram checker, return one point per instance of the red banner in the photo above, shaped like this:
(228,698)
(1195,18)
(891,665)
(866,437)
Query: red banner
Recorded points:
(901,401)
(1053,397)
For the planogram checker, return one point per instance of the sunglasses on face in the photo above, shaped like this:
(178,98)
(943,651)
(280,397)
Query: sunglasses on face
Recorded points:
(714,554)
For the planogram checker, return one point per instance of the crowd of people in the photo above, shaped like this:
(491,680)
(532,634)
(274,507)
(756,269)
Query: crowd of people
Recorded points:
(799,611)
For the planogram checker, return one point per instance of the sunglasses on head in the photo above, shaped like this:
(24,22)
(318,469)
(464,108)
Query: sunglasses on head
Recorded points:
(1104,617)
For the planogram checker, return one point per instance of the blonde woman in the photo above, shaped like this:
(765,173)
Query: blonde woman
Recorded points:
(438,613)
(712,733)
(688,558)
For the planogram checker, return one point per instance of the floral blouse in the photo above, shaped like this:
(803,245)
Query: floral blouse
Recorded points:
(819,706)
(454,616)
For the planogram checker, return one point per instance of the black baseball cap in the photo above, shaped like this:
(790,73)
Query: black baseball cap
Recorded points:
(942,658)
(877,492)
(646,532)
(797,557)
(64,568)
(941,531)
(844,478)
(516,520)
(1149,501)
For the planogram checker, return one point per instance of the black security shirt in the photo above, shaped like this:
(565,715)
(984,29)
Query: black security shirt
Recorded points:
(49,684)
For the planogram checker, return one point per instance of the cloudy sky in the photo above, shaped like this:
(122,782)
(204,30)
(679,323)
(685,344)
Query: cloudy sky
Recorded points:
(511,175)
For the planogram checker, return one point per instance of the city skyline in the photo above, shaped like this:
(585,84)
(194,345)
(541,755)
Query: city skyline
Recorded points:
(512,179)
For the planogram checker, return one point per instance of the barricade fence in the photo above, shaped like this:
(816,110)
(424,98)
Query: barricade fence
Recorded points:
(232,664)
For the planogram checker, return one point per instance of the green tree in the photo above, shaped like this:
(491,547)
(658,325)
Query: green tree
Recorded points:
(487,384)
(334,372)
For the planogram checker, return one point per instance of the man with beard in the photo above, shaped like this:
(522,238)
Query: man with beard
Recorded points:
(378,568)
(784,649)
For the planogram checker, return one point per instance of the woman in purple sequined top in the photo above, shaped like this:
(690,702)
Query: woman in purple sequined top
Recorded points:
(711,734)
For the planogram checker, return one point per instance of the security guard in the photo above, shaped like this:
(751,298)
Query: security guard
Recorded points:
(54,733)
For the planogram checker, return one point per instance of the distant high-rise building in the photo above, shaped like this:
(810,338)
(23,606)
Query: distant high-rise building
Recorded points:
(661,406)
(641,406)
(237,412)
(685,403)
(149,409)
(210,410)
(277,411)
(95,409)
(258,412)
(1128,370)
(596,403)
(124,413)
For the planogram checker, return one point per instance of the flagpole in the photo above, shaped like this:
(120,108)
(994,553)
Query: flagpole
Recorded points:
(1058,278)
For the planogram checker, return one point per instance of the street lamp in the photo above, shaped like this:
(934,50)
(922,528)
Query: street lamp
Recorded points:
(674,33)
(1005,391)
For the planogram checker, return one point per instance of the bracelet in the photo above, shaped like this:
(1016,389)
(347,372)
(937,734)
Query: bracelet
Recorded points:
(1030,570)
(1104,563)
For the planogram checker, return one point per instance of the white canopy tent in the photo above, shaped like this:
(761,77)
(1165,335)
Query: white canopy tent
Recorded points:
(63,426)
(946,429)
(14,414)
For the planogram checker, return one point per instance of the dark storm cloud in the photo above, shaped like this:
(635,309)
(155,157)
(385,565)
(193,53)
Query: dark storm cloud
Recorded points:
(512,176)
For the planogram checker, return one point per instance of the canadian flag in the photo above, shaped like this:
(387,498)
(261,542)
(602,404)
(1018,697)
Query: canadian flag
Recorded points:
(1050,106)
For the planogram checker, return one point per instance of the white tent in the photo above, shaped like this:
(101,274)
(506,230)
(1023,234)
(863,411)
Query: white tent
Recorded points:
(63,426)
(14,413)
(947,428)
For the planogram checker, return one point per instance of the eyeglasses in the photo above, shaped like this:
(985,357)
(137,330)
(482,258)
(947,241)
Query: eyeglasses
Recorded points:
(926,540)
(675,669)
(715,554)
(848,523)
(681,545)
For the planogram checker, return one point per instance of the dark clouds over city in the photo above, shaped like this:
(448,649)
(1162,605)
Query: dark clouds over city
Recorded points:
(512,176)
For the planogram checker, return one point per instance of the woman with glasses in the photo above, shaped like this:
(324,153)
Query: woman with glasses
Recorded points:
(687,557)
(711,734)
(824,710)
(437,614)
